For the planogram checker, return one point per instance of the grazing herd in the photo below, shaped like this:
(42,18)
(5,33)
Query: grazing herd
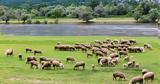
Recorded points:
(108,54)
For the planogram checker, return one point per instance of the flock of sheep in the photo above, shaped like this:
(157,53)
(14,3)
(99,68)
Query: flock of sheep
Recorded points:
(108,53)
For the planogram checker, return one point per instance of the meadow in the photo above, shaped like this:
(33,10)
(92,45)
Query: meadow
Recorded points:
(13,71)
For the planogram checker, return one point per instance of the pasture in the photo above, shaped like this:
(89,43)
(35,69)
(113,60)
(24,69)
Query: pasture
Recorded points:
(13,71)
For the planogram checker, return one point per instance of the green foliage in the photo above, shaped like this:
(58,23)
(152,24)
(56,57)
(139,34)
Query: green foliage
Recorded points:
(56,21)
(37,22)
(85,13)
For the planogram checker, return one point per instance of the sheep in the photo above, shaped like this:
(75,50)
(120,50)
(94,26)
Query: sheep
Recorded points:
(37,52)
(70,59)
(20,56)
(46,64)
(113,55)
(93,67)
(148,76)
(123,53)
(30,58)
(136,79)
(119,74)
(144,71)
(126,58)
(34,63)
(89,55)
(99,53)
(103,61)
(61,66)
(43,58)
(79,64)
(148,46)
(56,63)
(132,41)
(28,50)
(9,52)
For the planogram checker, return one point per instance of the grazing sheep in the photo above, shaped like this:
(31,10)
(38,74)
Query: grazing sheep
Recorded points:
(28,50)
(104,61)
(99,53)
(37,52)
(119,74)
(70,59)
(46,64)
(9,52)
(89,55)
(123,53)
(136,79)
(132,41)
(43,58)
(148,46)
(144,71)
(148,76)
(61,66)
(79,64)
(113,55)
(93,67)
(30,58)
(20,56)
(56,64)
(34,63)
(126,58)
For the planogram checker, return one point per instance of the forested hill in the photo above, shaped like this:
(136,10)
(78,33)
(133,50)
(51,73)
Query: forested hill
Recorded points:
(28,3)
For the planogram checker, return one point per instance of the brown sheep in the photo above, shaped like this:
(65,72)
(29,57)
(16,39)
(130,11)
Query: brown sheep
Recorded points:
(70,59)
(119,74)
(113,55)
(123,53)
(30,58)
(99,53)
(9,52)
(46,64)
(104,61)
(34,63)
(37,52)
(28,50)
(148,76)
(136,79)
(79,64)
(56,64)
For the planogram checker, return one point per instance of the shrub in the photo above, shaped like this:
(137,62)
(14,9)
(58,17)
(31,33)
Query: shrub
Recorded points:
(37,22)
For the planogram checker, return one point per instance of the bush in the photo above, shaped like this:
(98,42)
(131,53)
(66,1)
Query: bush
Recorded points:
(37,22)
(144,19)
(45,22)
(56,21)
(29,21)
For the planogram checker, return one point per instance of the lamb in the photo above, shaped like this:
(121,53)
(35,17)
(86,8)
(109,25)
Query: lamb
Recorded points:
(79,64)
(148,76)
(20,56)
(46,64)
(136,79)
(56,63)
(123,53)
(119,74)
(93,67)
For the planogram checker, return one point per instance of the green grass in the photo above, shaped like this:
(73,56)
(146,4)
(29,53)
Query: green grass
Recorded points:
(13,71)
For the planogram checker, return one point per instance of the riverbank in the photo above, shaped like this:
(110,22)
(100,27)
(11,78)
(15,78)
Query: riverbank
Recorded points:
(111,20)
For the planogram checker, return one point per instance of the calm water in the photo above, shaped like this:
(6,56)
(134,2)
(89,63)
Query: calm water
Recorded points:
(77,30)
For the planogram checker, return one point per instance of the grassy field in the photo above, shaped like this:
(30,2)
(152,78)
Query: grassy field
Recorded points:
(75,21)
(13,71)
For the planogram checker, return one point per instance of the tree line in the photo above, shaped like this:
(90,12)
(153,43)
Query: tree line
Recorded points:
(144,11)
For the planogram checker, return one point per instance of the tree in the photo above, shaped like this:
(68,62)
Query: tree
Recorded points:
(137,15)
(71,11)
(93,3)
(25,17)
(58,11)
(154,15)
(85,13)
(99,10)
(8,14)
(18,13)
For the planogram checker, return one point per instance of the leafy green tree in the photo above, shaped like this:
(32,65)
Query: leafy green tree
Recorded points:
(71,11)
(58,11)
(25,17)
(99,10)
(85,13)
(154,15)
